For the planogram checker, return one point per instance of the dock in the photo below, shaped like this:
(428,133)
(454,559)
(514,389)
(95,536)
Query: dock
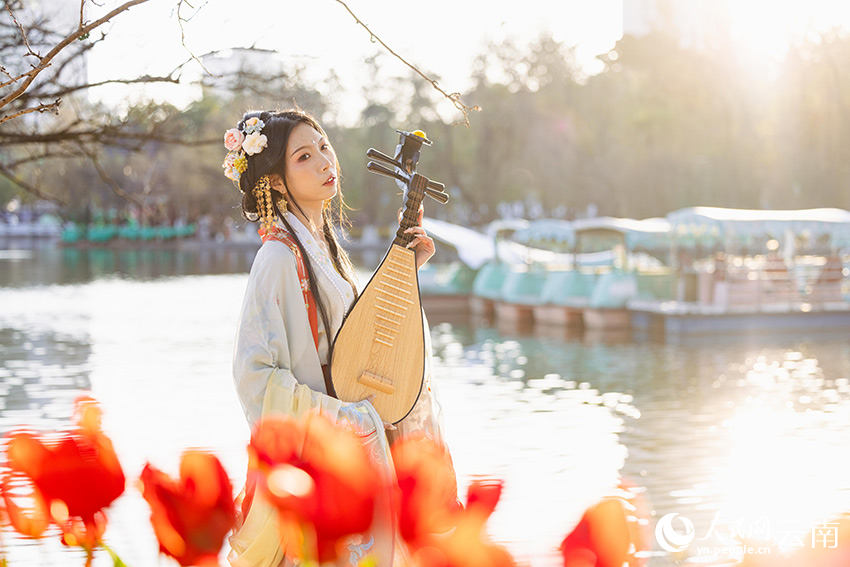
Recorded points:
(677,317)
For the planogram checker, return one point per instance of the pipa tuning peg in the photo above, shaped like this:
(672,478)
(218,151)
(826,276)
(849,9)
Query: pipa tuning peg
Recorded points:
(372,153)
(382,170)
(438,196)
(436,186)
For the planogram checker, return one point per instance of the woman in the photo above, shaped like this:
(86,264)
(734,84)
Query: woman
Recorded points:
(300,286)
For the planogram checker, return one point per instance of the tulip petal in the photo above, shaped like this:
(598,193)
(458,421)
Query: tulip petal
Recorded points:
(341,498)
(602,533)
(427,488)
(25,505)
(191,515)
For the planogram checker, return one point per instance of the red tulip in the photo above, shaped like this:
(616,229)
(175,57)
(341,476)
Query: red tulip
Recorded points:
(602,538)
(467,545)
(190,515)
(320,479)
(428,506)
(427,489)
(68,479)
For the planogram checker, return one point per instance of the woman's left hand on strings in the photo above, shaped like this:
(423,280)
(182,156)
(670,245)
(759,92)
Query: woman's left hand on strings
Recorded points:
(422,244)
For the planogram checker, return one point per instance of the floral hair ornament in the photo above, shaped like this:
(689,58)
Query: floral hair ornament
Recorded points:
(240,144)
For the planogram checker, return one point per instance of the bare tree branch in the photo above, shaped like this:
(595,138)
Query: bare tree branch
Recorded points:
(45,155)
(52,107)
(112,136)
(46,60)
(5,72)
(143,79)
(15,79)
(10,175)
(108,178)
(453,97)
(181,20)
(23,32)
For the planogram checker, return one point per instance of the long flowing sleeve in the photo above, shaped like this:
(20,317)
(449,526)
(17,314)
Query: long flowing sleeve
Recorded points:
(274,344)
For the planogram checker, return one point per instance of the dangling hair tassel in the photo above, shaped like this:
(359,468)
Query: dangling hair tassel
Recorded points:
(263,194)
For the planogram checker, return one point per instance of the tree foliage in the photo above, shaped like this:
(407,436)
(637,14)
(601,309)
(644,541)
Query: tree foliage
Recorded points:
(660,127)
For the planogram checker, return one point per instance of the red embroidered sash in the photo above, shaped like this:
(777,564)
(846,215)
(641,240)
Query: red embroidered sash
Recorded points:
(282,235)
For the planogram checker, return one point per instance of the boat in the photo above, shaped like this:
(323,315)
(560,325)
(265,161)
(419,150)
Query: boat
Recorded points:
(751,270)
(445,290)
(492,256)
(548,244)
(565,295)
(615,260)
(104,234)
(520,291)
(476,251)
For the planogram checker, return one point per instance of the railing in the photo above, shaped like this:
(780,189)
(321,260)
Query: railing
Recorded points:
(769,283)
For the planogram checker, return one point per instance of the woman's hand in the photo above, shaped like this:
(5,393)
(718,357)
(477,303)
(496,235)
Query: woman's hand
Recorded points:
(422,244)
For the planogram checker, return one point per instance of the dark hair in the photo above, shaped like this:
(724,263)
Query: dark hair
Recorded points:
(272,160)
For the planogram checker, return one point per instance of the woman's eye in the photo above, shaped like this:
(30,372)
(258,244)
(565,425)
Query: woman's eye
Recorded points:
(303,157)
(326,146)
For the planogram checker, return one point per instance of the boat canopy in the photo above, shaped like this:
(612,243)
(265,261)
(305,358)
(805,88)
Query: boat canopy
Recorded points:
(502,227)
(547,232)
(748,228)
(475,248)
(646,234)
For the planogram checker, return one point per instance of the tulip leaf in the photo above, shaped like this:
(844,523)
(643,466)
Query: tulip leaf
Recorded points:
(116,561)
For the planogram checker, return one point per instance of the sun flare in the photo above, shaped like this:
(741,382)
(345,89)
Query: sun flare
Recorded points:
(784,472)
(763,30)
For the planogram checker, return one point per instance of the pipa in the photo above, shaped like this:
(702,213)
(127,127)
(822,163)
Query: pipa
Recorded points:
(380,347)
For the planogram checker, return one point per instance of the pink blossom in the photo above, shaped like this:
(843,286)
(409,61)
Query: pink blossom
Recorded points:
(233,139)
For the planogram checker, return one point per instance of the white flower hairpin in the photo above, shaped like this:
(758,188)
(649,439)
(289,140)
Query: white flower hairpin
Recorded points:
(240,144)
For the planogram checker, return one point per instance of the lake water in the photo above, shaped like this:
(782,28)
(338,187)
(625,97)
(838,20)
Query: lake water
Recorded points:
(750,430)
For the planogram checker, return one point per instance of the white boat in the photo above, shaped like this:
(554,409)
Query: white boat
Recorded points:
(754,270)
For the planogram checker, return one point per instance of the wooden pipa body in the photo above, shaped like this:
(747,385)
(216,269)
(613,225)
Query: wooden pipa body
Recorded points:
(380,349)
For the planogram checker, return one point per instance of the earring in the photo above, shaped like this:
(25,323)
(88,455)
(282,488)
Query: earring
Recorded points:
(282,205)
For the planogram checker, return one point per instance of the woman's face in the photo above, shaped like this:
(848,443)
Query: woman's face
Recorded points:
(310,166)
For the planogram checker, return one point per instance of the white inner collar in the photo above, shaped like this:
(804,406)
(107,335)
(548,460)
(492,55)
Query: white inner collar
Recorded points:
(320,258)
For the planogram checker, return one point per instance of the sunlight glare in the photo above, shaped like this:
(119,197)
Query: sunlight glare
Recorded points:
(783,474)
(763,30)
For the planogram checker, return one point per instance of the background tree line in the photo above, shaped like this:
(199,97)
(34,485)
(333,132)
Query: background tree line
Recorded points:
(660,127)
